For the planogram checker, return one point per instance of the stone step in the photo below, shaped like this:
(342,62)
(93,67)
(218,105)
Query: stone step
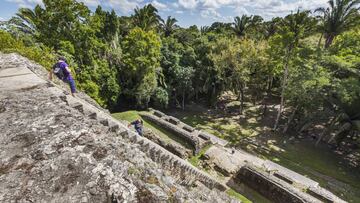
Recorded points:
(91,115)
(78,106)
(113,127)
(133,138)
(122,132)
(104,122)
(141,142)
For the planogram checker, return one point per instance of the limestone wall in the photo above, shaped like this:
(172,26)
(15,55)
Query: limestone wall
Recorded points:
(270,187)
(171,146)
(192,140)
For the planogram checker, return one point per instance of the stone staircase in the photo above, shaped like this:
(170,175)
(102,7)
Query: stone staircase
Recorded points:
(187,174)
(59,148)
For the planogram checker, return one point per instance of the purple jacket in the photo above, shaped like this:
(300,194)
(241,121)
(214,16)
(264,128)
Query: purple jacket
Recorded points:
(67,74)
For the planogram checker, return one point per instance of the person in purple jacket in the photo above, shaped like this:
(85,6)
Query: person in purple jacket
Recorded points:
(62,71)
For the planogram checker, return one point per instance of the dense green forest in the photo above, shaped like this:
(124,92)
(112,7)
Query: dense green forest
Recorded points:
(308,61)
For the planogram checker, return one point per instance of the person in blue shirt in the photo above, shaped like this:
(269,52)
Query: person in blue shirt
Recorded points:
(138,124)
(65,74)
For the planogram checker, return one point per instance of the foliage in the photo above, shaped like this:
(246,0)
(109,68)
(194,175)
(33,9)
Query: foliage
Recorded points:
(141,60)
(340,16)
(42,55)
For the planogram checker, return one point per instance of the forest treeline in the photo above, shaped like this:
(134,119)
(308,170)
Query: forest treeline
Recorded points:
(309,60)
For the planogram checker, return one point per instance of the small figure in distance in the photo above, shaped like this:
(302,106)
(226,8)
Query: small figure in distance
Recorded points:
(62,71)
(138,124)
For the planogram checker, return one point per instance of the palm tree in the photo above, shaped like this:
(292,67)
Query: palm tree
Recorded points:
(242,24)
(146,17)
(25,21)
(271,27)
(204,29)
(169,25)
(340,16)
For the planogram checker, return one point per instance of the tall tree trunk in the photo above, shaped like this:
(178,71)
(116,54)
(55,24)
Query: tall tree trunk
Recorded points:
(183,100)
(319,43)
(241,97)
(329,40)
(267,96)
(283,87)
(197,94)
(326,130)
(291,118)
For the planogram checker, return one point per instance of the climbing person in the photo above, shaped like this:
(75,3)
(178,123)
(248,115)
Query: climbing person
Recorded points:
(138,124)
(62,71)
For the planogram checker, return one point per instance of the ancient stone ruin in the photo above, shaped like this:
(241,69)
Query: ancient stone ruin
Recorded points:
(57,148)
(273,181)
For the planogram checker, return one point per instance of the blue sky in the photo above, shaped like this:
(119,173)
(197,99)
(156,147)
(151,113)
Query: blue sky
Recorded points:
(187,12)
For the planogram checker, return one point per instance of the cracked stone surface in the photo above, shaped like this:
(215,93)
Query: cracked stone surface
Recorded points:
(50,152)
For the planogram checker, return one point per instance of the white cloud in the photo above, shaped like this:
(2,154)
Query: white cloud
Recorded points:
(90,2)
(125,6)
(188,4)
(26,3)
(160,6)
(265,8)
(210,13)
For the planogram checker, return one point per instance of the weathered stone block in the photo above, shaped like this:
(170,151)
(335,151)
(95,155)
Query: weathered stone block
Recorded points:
(283,177)
(104,122)
(92,115)
(159,113)
(204,136)
(78,106)
(114,127)
(173,120)
(320,194)
(188,128)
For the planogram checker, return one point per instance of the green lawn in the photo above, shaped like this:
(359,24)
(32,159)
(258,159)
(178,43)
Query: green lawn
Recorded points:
(164,134)
(233,193)
(195,159)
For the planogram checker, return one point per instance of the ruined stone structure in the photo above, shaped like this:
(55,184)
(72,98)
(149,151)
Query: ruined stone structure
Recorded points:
(273,181)
(57,148)
(197,139)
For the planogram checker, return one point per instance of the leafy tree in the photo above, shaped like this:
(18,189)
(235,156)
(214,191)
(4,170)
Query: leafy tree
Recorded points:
(146,18)
(340,16)
(271,27)
(141,61)
(241,25)
(168,26)
(343,63)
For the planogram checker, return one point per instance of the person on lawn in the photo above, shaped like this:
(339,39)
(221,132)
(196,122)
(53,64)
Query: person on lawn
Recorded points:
(138,124)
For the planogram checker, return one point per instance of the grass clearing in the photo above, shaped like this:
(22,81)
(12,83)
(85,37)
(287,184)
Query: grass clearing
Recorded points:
(196,159)
(233,193)
(164,134)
